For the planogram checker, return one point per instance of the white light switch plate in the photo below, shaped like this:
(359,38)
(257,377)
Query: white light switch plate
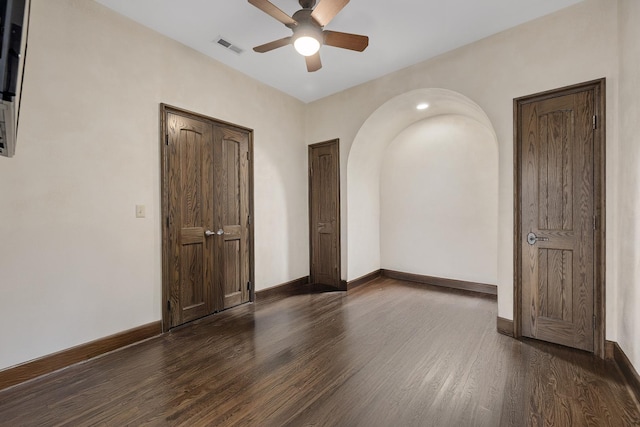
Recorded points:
(140,211)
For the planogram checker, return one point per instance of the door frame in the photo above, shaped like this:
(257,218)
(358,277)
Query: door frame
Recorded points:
(599,198)
(330,142)
(164,196)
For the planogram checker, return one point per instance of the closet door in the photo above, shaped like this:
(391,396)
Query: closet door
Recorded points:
(207,235)
(231,160)
(189,252)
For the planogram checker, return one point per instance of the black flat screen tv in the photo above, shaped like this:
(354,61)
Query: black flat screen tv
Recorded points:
(13,38)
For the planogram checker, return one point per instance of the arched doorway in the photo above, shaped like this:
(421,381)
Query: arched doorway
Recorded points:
(409,175)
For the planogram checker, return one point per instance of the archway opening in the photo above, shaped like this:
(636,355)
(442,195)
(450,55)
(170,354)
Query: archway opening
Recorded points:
(422,189)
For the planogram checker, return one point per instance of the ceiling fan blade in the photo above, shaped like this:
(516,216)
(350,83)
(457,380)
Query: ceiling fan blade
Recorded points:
(346,40)
(272,10)
(272,45)
(326,10)
(313,62)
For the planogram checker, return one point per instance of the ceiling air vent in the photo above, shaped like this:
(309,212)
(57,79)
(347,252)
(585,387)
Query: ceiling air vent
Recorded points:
(228,45)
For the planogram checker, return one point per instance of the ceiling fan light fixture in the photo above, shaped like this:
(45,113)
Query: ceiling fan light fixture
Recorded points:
(307,39)
(306,45)
(307,25)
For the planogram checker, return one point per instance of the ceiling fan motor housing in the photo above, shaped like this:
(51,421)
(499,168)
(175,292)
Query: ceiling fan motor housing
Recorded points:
(307,26)
(303,18)
(307,4)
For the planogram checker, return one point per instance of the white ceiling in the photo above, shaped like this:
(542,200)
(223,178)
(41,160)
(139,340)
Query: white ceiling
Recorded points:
(401,33)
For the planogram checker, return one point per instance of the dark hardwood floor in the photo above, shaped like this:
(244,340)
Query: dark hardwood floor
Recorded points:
(391,353)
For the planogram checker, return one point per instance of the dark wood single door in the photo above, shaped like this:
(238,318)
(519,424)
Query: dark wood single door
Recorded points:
(324,213)
(206,202)
(231,154)
(558,219)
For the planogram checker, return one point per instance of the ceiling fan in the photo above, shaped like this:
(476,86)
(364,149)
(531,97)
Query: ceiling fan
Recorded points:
(307,25)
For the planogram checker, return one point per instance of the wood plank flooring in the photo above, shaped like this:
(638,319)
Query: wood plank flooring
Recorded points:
(391,353)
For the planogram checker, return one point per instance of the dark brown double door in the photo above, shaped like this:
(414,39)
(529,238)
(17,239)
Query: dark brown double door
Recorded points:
(559,232)
(207,199)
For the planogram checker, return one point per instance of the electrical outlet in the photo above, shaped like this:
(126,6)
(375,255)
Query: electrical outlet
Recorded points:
(140,211)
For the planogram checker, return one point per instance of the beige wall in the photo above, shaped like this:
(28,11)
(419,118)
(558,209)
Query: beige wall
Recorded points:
(439,200)
(574,45)
(75,263)
(628,171)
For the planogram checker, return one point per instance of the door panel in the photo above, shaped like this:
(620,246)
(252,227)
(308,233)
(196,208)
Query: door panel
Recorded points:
(232,150)
(232,291)
(324,207)
(192,291)
(189,162)
(558,207)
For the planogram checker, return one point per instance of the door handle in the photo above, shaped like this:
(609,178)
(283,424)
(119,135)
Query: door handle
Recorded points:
(532,238)
(210,233)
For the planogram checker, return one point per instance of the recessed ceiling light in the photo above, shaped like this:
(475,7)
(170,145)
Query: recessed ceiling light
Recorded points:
(422,106)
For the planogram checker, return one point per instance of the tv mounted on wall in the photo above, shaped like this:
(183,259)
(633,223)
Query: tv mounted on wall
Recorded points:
(13,30)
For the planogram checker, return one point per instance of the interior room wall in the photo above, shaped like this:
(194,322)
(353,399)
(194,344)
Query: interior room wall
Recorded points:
(439,200)
(573,45)
(628,170)
(75,263)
